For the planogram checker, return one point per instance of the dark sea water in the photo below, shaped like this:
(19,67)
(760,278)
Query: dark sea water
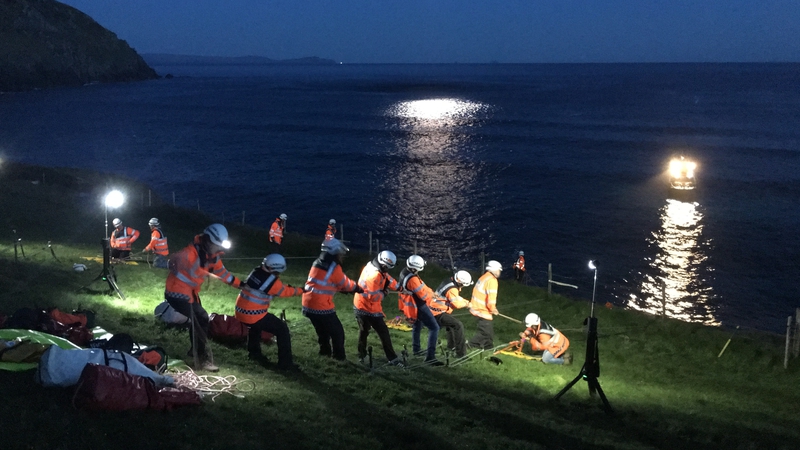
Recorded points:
(565,162)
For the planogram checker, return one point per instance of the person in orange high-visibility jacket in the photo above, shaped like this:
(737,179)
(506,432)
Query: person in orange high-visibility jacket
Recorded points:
(158,244)
(519,267)
(415,291)
(447,298)
(188,269)
(252,309)
(325,279)
(484,305)
(330,233)
(375,281)
(276,230)
(545,338)
(121,240)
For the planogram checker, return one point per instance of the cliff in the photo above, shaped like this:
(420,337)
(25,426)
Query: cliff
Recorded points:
(45,44)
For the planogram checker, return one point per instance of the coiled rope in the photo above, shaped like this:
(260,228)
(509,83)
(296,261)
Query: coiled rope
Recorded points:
(211,386)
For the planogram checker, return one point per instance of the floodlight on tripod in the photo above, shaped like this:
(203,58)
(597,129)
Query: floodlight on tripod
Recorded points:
(113,199)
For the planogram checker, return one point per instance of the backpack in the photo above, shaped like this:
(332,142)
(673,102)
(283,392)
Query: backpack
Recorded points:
(154,357)
(121,342)
(168,315)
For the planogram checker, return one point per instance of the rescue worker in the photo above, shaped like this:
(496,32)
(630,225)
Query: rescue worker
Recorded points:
(188,269)
(158,244)
(325,279)
(375,281)
(545,338)
(121,240)
(484,305)
(252,309)
(330,233)
(276,231)
(519,267)
(417,293)
(447,298)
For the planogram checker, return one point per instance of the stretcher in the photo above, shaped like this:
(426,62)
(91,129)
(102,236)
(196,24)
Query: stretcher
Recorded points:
(398,323)
(514,348)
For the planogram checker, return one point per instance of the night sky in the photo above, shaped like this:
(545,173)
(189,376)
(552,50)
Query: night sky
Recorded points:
(464,31)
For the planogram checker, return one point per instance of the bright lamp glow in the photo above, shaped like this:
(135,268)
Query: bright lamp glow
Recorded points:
(592,266)
(226,244)
(679,168)
(114,199)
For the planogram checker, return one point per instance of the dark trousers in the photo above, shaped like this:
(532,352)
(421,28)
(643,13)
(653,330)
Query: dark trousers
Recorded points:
(271,324)
(519,275)
(120,254)
(198,329)
(484,335)
(455,333)
(379,325)
(330,333)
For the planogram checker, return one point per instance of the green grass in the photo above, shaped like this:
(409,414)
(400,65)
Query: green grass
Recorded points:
(661,376)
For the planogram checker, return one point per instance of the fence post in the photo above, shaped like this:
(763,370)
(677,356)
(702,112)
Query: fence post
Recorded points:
(341,232)
(242,217)
(483,262)
(797,332)
(549,279)
(663,298)
(788,334)
(377,245)
(198,204)
(149,197)
(370,243)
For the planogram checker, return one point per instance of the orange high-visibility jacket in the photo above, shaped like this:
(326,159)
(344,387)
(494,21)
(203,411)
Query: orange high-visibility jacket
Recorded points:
(446,298)
(276,231)
(261,287)
(189,268)
(123,237)
(546,337)
(520,263)
(330,233)
(325,279)
(414,294)
(158,243)
(375,284)
(484,297)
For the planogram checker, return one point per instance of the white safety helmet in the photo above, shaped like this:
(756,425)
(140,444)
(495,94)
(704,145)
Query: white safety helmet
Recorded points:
(521,253)
(415,262)
(334,247)
(387,258)
(463,278)
(218,235)
(494,266)
(116,222)
(275,263)
(532,320)
(332,222)
(283,216)
(153,222)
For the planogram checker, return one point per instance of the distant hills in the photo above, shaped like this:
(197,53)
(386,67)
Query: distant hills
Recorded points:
(163,59)
(44,44)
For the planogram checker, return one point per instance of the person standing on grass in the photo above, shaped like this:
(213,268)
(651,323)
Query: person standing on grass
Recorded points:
(325,279)
(519,267)
(276,231)
(188,270)
(375,281)
(415,291)
(447,298)
(484,305)
(330,232)
(252,309)
(158,244)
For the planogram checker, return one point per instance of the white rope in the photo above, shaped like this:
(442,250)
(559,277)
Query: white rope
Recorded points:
(210,385)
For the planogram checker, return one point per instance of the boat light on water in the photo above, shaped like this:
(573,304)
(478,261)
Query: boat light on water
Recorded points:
(681,174)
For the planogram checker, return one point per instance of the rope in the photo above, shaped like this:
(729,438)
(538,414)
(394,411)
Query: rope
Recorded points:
(210,385)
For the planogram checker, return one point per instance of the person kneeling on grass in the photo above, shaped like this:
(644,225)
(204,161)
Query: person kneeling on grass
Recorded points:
(252,309)
(545,338)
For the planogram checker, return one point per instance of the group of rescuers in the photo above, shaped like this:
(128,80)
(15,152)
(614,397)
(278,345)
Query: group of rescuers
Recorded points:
(421,305)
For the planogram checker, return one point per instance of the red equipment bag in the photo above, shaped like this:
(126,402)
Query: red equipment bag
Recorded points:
(228,330)
(104,388)
(66,318)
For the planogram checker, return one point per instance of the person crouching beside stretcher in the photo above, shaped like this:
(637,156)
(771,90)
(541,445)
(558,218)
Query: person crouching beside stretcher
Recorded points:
(545,338)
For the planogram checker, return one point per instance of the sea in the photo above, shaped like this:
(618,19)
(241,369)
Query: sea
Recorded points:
(467,163)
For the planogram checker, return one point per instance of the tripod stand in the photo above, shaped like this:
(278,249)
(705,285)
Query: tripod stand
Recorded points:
(18,244)
(107,274)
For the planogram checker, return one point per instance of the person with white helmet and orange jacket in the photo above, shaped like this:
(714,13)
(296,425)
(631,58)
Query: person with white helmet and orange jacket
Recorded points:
(188,269)
(545,338)
(330,233)
(414,291)
(446,298)
(484,305)
(325,279)
(519,267)
(121,240)
(276,230)
(263,284)
(375,281)
(158,244)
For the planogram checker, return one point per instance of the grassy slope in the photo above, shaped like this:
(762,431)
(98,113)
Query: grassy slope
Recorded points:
(662,377)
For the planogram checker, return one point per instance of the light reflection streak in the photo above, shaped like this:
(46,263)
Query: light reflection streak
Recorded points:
(675,286)
(429,188)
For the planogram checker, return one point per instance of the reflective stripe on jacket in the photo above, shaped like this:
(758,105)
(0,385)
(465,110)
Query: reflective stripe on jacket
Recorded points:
(546,337)
(188,269)
(122,238)
(158,243)
(325,279)
(261,287)
(446,298)
(484,297)
(375,284)
(276,231)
